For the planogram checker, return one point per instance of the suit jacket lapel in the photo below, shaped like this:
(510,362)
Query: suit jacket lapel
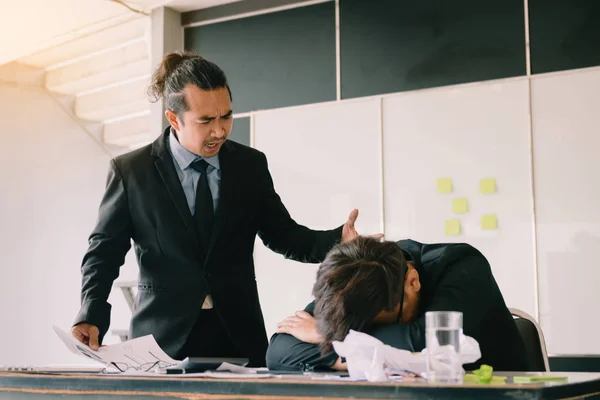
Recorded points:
(168,174)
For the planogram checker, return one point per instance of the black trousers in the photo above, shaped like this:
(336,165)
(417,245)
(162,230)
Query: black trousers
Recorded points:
(209,338)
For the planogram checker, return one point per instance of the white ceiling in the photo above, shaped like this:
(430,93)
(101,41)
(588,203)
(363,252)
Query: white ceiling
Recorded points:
(27,26)
(179,5)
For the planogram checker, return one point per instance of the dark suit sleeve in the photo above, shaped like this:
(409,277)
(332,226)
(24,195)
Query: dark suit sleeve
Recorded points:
(108,245)
(467,286)
(286,353)
(280,233)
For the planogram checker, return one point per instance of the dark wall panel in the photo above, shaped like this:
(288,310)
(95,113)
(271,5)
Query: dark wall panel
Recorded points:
(273,60)
(564,34)
(397,45)
(574,363)
(241,131)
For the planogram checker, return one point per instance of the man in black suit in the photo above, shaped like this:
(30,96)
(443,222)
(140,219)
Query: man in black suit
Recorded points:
(193,203)
(385,289)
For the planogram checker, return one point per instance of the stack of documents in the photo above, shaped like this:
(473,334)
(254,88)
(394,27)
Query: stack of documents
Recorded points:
(138,354)
(143,357)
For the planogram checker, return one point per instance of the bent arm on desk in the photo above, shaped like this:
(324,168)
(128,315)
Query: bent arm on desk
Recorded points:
(461,290)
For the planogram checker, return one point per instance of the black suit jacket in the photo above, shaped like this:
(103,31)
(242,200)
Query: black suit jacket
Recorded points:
(454,277)
(144,201)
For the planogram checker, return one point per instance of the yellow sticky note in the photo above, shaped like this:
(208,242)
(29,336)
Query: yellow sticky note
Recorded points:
(487,186)
(489,221)
(444,185)
(459,206)
(452,227)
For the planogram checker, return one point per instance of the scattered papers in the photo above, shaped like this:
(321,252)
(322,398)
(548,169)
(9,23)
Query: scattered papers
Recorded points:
(234,375)
(144,357)
(369,359)
(138,354)
(207,374)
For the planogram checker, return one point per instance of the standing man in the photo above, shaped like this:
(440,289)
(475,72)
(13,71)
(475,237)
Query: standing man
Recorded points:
(193,203)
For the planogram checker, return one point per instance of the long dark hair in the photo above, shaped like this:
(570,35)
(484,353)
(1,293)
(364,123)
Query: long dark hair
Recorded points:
(179,69)
(357,280)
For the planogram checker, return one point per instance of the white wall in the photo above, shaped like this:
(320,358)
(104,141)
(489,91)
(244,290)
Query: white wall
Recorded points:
(325,160)
(466,133)
(567,196)
(543,252)
(52,177)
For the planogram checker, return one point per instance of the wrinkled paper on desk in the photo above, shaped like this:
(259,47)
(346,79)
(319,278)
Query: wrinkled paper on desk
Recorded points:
(136,354)
(369,359)
(143,357)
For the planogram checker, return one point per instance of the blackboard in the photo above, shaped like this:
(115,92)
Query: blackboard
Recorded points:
(397,45)
(273,60)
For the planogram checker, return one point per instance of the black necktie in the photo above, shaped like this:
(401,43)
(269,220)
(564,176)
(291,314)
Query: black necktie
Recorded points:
(204,213)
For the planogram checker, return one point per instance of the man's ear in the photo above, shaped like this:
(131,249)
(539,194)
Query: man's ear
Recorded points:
(172,118)
(412,282)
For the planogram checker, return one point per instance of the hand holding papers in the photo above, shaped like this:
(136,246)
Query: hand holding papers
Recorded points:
(140,354)
(144,357)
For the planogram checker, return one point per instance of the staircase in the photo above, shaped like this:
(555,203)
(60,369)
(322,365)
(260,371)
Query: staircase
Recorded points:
(103,76)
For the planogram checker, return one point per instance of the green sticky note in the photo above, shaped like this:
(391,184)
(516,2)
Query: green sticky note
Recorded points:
(452,227)
(489,222)
(444,185)
(459,206)
(484,374)
(539,379)
(472,378)
(487,186)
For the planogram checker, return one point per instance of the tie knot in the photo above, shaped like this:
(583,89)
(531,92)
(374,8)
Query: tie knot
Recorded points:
(200,165)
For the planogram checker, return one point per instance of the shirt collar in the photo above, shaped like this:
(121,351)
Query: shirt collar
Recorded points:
(184,157)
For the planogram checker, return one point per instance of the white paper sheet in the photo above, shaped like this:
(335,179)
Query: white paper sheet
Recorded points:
(369,359)
(236,368)
(135,354)
(234,375)
(208,374)
(144,357)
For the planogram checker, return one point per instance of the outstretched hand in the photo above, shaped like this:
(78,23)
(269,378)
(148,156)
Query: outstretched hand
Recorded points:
(349,231)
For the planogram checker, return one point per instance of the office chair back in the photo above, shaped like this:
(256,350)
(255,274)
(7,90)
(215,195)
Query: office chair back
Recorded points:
(532,335)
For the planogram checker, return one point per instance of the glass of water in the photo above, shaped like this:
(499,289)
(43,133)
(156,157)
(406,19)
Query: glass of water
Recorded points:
(443,330)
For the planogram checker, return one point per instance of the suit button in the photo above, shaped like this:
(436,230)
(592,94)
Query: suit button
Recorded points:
(208,274)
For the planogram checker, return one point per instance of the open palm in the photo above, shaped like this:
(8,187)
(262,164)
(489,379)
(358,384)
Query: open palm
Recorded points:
(349,230)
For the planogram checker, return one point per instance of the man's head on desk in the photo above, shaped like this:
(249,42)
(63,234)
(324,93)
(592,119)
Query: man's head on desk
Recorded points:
(362,283)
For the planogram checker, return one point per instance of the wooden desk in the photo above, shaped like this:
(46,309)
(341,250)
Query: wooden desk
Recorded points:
(40,386)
